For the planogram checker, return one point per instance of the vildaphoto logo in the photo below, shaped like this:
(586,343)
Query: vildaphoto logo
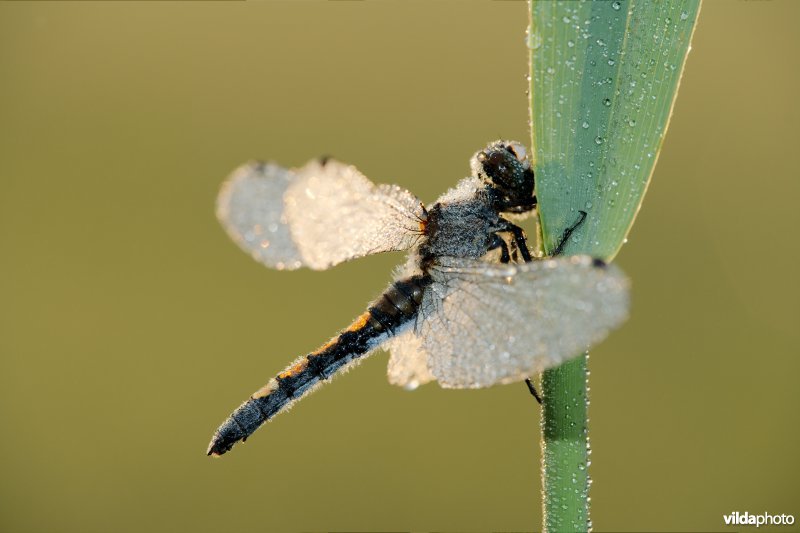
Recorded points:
(764,519)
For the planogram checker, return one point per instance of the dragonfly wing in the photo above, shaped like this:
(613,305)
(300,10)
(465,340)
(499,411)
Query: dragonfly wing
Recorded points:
(250,208)
(485,323)
(408,361)
(317,216)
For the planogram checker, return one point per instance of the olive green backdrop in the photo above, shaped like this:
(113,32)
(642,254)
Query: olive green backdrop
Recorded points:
(130,326)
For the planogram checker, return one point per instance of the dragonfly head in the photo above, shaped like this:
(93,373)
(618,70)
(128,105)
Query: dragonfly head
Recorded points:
(506,170)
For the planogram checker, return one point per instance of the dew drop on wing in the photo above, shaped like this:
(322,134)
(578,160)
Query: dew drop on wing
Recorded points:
(555,308)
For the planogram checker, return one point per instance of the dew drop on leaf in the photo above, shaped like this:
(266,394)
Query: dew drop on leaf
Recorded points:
(533,40)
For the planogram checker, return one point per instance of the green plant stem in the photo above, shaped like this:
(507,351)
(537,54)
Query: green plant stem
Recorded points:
(565,447)
(603,81)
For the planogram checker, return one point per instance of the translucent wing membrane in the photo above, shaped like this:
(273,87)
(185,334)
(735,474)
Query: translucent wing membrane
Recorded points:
(250,207)
(408,362)
(318,216)
(483,324)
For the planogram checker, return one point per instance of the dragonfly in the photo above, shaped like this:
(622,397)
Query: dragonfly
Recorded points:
(471,306)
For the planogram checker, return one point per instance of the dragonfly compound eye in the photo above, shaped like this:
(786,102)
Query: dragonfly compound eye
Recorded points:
(519,152)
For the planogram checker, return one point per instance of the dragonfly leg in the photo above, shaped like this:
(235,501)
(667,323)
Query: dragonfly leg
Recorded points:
(559,249)
(498,242)
(520,240)
(521,244)
(532,390)
(568,232)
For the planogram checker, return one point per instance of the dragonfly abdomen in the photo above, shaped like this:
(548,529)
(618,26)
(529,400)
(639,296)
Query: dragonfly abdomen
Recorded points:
(392,312)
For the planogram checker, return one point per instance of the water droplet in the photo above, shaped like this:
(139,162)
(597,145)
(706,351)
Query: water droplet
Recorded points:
(631,122)
(668,20)
(565,20)
(598,140)
(607,102)
(601,42)
(585,125)
(551,70)
(616,6)
(570,44)
(684,15)
(533,40)
(611,62)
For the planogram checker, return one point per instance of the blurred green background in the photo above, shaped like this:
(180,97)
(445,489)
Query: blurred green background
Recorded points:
(130,326)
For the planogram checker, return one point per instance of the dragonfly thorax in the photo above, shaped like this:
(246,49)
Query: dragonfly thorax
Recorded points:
(461,229)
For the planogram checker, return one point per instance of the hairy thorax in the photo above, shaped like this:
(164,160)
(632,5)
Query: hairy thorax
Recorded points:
(459,229)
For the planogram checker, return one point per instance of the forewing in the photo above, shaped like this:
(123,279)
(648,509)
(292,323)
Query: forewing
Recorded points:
(337,214)
(485,323)
(318,216)
(408,361)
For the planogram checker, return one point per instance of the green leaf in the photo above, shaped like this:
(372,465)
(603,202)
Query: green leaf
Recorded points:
(604,79)
(604,76)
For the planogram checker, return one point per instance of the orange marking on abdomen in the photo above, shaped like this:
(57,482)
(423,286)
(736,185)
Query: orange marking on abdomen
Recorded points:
(325,346)
(360,322)
(302,364)
(296,369)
